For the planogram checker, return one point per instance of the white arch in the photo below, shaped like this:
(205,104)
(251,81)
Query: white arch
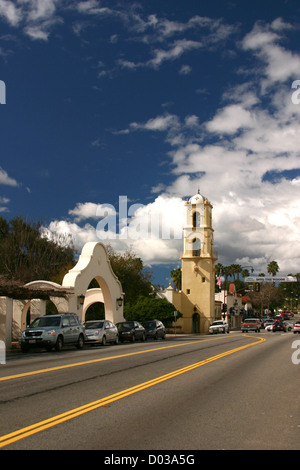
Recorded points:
(92,296)
(94,263)
(60,303)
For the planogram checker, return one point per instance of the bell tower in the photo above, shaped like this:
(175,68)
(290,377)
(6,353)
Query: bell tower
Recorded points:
(198,266)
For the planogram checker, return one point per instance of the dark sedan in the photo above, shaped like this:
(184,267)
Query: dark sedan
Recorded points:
(154,329)
(131,331)
(279,326)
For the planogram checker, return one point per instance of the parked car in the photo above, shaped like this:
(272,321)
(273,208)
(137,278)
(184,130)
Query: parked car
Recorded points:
(297,327)
(154,329)
(131,331)
(288,325)
(219,326)
(101,332)
(279,326)
(269,326)
(53,331)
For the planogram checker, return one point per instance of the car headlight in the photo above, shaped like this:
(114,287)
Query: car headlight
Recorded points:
(50,333)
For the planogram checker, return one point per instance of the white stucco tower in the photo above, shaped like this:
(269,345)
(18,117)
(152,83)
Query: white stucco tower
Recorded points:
(198,266)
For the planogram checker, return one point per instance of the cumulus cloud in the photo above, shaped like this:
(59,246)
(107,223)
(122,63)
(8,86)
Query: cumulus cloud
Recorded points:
(153,231)
(90,210)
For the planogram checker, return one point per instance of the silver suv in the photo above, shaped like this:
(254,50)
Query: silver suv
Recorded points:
(53,331)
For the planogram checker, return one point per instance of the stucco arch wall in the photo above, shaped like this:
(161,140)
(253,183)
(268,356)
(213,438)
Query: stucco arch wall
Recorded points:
(94,263)
(92,296)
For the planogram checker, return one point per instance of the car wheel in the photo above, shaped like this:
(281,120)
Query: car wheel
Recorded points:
(24,348)
(59,343)
(143,338)
(132,339)
(103,341)
(80,342)
(117,340)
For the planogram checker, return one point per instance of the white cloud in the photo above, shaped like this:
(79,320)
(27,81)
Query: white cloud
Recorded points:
(10,12)
(230,119)
(3,204)
(92,7)
(41,9)
(153,231)
(80,235)
(7,180)
(37,17)
(90,210)
(159,123)
(278,63)
(175,50)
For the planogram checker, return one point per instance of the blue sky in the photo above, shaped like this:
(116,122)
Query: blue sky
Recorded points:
(151,100)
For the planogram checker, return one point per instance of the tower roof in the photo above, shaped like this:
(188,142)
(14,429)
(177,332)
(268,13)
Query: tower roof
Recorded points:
(197,199)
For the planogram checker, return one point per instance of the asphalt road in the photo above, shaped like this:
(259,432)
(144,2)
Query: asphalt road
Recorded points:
(187,393)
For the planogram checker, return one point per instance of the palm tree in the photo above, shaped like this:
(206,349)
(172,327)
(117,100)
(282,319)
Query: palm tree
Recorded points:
(245,273)
(219,269)
(176,277)
(226,272)
(273,268)
(235,269)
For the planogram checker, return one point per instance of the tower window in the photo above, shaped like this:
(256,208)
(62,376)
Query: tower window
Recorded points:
(188,291)
(196,247)
(196,219)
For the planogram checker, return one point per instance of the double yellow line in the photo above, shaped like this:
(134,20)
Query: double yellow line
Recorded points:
(93,361)
(55,420)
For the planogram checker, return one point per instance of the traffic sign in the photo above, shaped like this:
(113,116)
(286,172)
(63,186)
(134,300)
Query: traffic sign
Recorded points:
(271,279)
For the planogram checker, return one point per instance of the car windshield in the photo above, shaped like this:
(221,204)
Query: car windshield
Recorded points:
(45,321)
(94,325)
(125,326)
(217,323)
(149,324)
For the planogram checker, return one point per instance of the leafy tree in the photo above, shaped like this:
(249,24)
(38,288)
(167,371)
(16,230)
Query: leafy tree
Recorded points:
(134,277)
(268,297)
(290,293)
(149,308)
(27,254)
